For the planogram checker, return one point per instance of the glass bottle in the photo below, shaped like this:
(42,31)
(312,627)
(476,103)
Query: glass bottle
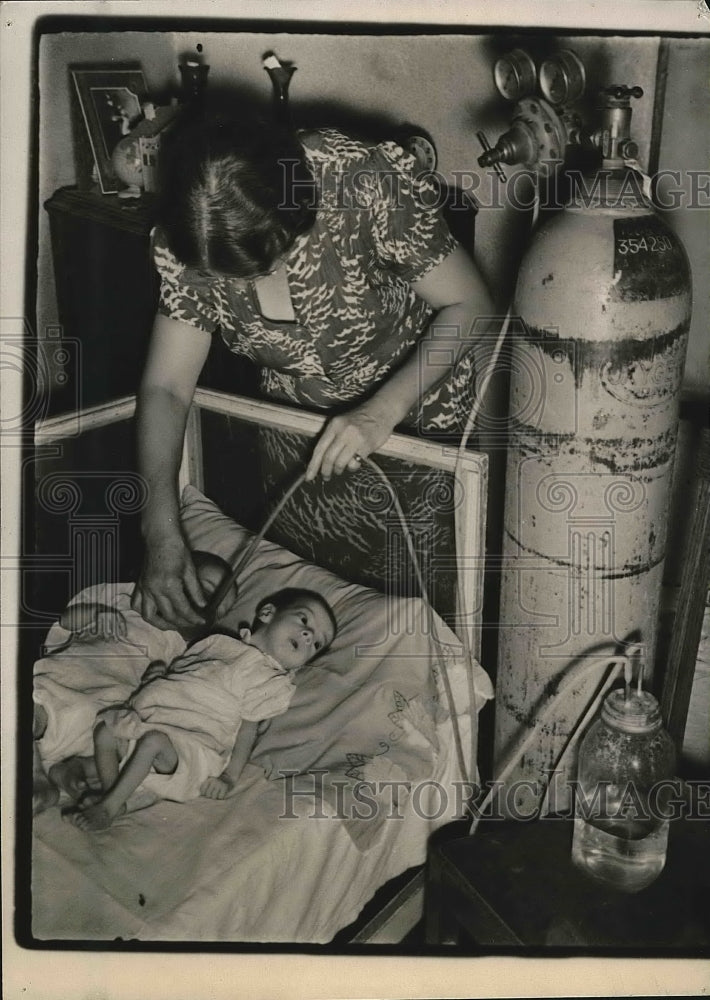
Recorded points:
(620,833)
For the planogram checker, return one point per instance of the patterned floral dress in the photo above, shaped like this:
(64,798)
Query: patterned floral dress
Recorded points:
(377,230)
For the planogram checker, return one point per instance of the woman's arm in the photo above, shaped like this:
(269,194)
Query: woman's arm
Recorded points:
(168,587)
(456,290)
(222,786)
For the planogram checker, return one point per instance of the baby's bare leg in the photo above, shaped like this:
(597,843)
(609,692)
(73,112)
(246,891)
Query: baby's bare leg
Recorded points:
(107,756)
(154,749)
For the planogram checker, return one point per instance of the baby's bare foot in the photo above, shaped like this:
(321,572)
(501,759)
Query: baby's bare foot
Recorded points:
(98,816)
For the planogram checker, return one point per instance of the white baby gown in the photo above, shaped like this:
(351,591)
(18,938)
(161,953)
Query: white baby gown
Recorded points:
(200,704)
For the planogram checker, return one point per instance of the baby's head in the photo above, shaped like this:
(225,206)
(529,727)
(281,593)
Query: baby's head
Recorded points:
(293,625)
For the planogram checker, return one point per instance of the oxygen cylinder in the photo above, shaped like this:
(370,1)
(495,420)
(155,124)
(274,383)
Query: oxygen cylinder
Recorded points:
(604,295)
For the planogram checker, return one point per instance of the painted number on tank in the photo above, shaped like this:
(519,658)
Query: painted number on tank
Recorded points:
(649,262)
(651,244)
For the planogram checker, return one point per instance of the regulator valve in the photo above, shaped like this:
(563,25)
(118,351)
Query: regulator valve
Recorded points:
(537,138)
(613,137)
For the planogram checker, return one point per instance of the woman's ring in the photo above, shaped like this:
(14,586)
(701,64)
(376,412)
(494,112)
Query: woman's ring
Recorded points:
(357,458)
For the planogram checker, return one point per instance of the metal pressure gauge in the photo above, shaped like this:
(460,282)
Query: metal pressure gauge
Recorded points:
(515,75)
(424,151)
(562,78)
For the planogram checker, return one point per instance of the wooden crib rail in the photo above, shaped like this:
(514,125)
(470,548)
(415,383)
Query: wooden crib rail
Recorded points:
(275,415)
(68,425)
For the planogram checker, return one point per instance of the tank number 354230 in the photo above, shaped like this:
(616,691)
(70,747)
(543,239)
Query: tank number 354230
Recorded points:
(651,244)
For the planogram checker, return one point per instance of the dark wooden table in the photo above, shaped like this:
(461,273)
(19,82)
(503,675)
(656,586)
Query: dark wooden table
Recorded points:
(513,885)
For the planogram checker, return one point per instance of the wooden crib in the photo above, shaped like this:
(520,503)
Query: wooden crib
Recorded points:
(82,893)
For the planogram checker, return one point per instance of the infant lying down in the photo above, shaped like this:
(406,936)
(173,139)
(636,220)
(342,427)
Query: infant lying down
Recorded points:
(179,726)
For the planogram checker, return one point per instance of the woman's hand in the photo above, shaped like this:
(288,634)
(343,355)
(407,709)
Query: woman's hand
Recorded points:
(348,438)
(168,594)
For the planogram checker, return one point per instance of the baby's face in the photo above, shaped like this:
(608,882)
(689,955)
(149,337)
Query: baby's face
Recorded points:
(296,634)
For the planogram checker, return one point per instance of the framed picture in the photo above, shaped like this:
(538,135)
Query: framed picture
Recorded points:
(109,100)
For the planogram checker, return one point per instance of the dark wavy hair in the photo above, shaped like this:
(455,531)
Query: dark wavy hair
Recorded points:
(235,195)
